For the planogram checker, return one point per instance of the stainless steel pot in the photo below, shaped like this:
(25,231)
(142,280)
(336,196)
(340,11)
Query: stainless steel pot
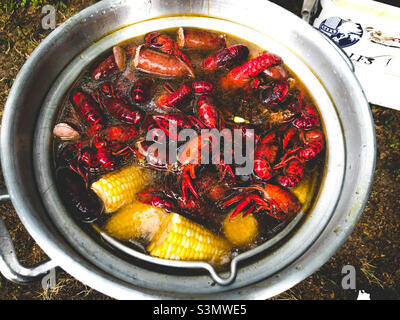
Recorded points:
(27,165)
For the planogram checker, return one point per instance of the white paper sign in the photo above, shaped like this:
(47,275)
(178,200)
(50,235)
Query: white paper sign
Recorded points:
(369,33)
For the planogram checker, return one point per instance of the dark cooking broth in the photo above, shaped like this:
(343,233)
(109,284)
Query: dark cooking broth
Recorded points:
(108,176)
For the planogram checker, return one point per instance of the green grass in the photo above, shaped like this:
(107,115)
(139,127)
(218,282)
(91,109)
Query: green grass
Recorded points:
(397,174)
(330,281)
(9,6)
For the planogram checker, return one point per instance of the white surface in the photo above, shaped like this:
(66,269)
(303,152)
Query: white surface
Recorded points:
(362,295)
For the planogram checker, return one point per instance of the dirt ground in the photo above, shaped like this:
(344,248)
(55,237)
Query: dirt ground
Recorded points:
(373,248)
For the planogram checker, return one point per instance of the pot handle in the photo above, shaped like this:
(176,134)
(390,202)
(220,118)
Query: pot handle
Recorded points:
(10,267)
(308,9)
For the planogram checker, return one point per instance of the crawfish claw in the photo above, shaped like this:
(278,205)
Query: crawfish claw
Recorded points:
(224,169)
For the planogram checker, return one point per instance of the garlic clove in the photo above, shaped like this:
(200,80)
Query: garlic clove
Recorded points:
(65,132)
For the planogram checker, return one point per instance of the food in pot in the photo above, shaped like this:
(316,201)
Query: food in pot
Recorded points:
(191,144)
(240,230)
(202,40)
(136,221)
(179,238)
(64,131)
(118,188)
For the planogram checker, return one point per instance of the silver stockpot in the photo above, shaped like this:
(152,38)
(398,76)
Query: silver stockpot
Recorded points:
(117,271)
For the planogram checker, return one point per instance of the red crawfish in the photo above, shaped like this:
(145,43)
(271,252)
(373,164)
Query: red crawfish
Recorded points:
(292,174)
(155,158)
(79,157)
(117,107)
(274,95)
(100,152)
(313,143)
(240,76)
(290,137)
(308,118)
(111,144)
(141,90)
(276,201)
(276,73)
(172,124)
(208,112)
(115,134)
(159,198)
(117,139)
(108,89)
(210,189)
(170,201)
(292,171)
(165,44)
(105,158)
(265,156)
(105,68)
(174,99)
(88,109)
(190,158)
(83,202)
(83,158)
(293,162)
(226,57)
(200,40)
(122,111)
(202,87)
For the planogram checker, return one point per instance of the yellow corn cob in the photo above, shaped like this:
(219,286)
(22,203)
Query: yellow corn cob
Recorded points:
(181,239)
(120,187)
(136,220)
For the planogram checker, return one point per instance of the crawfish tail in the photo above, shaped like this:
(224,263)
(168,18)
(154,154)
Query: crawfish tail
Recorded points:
(122,111)
(174,99)
(226,57)
(87,108)
(141,90)
(105,68)
(207,112)
(255,66)
(202,87)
